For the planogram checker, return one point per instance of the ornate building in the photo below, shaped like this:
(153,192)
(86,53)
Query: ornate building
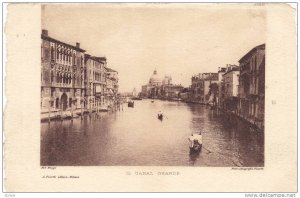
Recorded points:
(62,75)
(201,85)
(95,80)
(229,92)
(111,84)
(251,94)
(160,88)
(155,83)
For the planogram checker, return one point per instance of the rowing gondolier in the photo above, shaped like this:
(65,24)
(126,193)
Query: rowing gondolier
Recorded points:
(195,141)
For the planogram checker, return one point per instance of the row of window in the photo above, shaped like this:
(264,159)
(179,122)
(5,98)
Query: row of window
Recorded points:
(97,65)
(74,92)
(64,55)
(67,79)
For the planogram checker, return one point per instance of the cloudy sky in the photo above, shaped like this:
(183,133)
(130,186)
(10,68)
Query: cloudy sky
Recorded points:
(176,39)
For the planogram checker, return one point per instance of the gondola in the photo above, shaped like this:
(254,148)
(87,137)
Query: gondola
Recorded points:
(195,143)
(136,98)
(160,116)
(131,104)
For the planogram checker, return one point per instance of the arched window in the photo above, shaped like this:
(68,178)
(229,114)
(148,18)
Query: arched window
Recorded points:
(66,78)
(63,54)
(61,78)
(57,53)
(52,53)
(52,76)
(60,54)
(69,57)
(57,77)
(74,59)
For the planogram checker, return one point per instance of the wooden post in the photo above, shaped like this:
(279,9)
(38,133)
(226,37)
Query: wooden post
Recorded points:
(97,106)
(81,109)
(72,109)
(90,106)
(49,111)
(61,110)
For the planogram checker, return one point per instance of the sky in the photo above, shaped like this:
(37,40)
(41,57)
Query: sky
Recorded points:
(180,40)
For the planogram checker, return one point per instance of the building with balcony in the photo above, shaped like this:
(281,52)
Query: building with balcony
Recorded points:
(95,80)
(229,91)
(62,75)
(112,85)
(221,71)
(251,90)
(200,88)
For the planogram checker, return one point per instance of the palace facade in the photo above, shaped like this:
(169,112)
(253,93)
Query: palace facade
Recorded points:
(73,80)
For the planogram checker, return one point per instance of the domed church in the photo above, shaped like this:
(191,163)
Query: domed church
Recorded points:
(160,88)
(155,80)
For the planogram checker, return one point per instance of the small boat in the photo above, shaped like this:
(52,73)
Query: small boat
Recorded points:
(136,98)
(152,101)
(176,99)
(130,104)
(66,115)
(195,143)
(103,108)
(160,116)
(75,115)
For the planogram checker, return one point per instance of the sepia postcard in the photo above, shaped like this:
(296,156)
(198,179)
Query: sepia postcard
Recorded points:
(150,97)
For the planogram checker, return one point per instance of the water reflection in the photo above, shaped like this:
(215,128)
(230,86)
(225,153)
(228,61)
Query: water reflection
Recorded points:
(135,136)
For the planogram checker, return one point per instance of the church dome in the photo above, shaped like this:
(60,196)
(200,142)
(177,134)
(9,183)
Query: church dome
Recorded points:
(155,79)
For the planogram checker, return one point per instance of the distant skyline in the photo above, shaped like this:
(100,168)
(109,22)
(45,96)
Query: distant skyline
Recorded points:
(180,40)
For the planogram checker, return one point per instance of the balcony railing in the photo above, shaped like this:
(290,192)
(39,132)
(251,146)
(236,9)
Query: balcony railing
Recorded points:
(54,84)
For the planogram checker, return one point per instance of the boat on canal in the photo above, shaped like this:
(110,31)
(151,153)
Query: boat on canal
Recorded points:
(66,115)
(160,116)
(131,104)
(195,141)
(136,98)
(104,108)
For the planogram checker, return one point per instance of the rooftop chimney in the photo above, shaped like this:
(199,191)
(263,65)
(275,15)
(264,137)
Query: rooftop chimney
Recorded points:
(44,32)
(78,45)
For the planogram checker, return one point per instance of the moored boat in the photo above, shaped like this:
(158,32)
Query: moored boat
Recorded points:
(130,104)
(103,108)
(136,98)
(66,115)
(160,116)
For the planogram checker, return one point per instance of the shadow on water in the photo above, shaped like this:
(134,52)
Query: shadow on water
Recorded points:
(240,144)
(194,155)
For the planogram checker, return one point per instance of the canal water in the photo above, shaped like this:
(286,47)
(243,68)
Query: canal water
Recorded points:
(135,137)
